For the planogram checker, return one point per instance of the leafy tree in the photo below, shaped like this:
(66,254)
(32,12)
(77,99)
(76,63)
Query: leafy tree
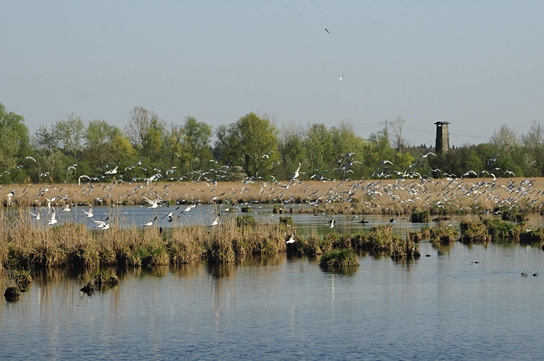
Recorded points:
(174,147)
(227,144)
(292,149)
(504,139)
(146,133)
(14,139)
(319,148)
(381,147)
(44,139)
(349,148)
(533,141)
(247,143)
(98,136)
(70,134)
(196,140)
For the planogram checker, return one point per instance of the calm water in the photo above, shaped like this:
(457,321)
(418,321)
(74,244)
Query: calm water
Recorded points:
(137,216)
(442,307)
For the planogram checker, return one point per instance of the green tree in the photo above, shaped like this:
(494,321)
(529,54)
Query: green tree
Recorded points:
(533,141)
(319,148)
(98,136)
(174,147)
(14,139)
(292,149)
(196,140)
(381,150)
(251,142)
(349,148)
(146,132)
(70,133)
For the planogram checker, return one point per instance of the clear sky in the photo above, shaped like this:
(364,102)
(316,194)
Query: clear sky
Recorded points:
(477,64)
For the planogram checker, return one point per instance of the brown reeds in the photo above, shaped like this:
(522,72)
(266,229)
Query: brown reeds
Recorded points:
(388,197)
(69,245)
(25,245)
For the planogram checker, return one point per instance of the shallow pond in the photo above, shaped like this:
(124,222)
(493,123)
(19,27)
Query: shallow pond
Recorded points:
(305,222)
(461,303)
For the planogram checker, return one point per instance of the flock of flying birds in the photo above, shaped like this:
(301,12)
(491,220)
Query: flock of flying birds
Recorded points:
(371,194)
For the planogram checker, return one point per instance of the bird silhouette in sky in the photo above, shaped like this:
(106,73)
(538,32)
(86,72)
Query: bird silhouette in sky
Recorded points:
(327,30)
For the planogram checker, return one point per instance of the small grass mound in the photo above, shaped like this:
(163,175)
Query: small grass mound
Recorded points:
(529,236)
(287,221)
(341,259)
(474,232)
(443,235)
(502,230)
(23,279)
(245,221)
(102,281)
(420,217)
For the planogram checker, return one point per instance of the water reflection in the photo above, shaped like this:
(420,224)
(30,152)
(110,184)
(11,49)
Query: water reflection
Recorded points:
(446,306)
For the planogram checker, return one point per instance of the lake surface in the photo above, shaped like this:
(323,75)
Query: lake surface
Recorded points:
(137,216)
(461,303)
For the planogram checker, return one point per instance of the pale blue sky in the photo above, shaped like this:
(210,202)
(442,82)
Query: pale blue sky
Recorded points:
(476,64)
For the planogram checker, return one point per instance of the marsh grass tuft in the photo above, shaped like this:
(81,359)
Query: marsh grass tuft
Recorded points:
(102,281)
(474,232)
(23,279)
(340,259)
(444,235)
(502,230)
(420,217)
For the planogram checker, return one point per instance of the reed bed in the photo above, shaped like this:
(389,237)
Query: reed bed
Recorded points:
(73,246)
(25,246)
(386,197)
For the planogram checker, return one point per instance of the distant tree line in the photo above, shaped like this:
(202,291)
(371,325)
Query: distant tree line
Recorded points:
(253,146)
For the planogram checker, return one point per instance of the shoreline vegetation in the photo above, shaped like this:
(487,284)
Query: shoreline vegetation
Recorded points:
(501,207)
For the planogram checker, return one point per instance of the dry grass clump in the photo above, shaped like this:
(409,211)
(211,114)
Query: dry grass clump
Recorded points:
(381,240)
(185,245)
